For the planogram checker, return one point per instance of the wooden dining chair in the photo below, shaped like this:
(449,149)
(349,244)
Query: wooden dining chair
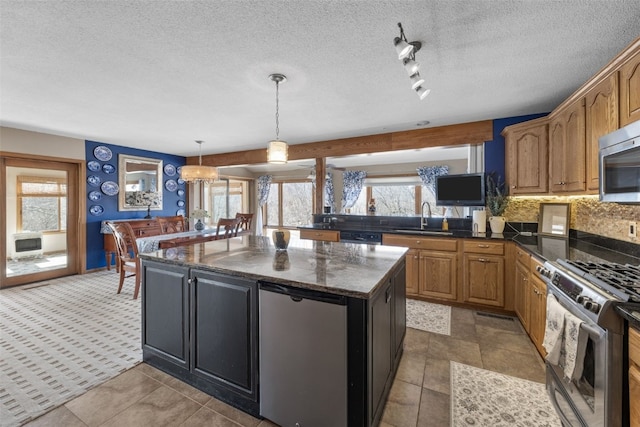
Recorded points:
(227,227)
(172,224)
(126,253)
(245,222)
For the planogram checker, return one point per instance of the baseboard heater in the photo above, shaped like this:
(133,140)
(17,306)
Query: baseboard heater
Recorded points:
(27,244)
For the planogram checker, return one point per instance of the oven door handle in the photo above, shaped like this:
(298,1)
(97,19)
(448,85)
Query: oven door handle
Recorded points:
(590,329)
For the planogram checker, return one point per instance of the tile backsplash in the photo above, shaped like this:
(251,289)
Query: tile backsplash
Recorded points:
(587,214)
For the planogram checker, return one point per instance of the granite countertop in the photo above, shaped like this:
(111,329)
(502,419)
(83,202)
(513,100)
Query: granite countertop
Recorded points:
(348,269)
(547,248)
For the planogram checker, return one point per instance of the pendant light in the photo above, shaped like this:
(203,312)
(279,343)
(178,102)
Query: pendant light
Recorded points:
(277,150)
(199,173)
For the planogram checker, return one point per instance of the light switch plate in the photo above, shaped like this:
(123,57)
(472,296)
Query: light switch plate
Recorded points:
(633,229)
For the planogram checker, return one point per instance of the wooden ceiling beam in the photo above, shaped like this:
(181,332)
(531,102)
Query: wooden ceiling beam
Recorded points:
(465,133)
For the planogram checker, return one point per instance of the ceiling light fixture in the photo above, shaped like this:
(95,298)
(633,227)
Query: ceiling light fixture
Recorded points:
(277,150)
(407,54)
(199,173)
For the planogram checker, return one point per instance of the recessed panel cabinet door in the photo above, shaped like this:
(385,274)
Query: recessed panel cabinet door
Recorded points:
(601,119)
(438,274)
(224,330)
(630,91)
(527,161)
(165,312)
(484,280)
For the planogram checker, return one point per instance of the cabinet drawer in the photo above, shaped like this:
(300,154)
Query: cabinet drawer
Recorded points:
(323,235)
(420,242)
(523,257)
(634,346)
(535,262)
(483,247)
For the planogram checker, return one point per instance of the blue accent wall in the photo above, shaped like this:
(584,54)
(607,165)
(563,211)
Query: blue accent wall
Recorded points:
(494,160)
(95,241)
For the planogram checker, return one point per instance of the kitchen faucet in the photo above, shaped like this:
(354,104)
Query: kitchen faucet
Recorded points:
(422,222)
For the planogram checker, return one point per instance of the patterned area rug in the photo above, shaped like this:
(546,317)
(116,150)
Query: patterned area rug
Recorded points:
(429,317)
(485,398)
(61,339)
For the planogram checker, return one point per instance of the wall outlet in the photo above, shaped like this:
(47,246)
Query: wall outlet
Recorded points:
(633,230)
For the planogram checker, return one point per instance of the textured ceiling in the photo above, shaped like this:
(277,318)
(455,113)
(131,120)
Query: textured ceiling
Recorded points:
(157,75)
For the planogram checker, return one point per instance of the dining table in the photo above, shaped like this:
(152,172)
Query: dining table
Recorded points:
(171,240)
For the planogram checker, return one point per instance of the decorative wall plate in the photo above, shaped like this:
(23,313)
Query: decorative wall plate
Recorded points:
(180,212)
(93,180)
(93,166)
(110,188)
(108,168)
(169,169)
(96,210)
(94,196)
(179,170)
(171,185)
(180,181)
(181,203)
(102,153)
(181,192)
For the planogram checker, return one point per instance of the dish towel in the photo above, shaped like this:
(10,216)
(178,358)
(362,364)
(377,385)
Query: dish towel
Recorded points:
(554,329)
(574,346)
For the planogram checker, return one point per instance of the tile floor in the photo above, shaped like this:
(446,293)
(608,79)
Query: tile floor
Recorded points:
(144,396)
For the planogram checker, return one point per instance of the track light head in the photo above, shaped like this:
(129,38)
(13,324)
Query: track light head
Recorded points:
(422,92)
(416,81)
(403,48)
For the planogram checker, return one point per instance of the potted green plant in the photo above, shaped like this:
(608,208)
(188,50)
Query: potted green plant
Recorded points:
(497,201)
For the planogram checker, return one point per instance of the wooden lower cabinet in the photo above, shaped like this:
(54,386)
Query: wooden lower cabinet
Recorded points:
(321,235)
(522,293)
(530,298)
(438,275)
(483,279)
(634,377)
(432,265)
(538,312)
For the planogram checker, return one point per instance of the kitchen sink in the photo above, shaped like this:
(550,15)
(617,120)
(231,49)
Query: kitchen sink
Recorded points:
(426,232)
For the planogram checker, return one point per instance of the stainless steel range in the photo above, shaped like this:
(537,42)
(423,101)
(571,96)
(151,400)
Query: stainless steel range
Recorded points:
(590,292)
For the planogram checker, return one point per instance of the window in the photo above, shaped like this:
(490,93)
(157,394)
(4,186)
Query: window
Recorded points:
(398,196)
(42,203)
(215,195)
(290,204)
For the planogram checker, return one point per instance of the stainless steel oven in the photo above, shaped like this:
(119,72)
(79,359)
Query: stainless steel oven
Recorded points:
(620,165)
(590,291)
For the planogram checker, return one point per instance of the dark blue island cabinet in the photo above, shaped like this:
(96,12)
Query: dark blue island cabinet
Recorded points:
(201,326)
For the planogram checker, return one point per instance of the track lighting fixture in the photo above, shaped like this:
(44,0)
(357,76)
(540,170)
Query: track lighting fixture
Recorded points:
(407,54)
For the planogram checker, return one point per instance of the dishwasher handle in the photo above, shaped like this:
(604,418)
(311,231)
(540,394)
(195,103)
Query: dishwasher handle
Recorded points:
(298,294)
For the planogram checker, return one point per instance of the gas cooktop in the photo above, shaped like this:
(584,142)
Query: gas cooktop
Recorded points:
(618,279)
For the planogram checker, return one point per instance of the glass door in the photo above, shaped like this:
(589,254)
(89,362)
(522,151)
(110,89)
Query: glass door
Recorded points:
(40,220)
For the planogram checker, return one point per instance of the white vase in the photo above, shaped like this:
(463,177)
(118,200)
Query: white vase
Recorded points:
(497,224)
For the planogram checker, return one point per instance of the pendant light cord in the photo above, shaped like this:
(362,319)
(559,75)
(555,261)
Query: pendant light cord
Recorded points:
(277,111)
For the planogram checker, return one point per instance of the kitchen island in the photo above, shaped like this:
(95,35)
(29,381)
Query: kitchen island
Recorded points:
(202,307)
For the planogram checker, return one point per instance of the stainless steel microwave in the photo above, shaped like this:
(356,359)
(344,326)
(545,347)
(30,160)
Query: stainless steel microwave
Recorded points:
(620,165)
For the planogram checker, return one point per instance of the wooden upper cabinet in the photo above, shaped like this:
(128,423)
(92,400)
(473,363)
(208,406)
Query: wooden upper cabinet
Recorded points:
(630,90)
(601,118)
(567,157)
(526,146)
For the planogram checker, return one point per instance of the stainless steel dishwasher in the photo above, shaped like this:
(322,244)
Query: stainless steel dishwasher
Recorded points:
(303,357)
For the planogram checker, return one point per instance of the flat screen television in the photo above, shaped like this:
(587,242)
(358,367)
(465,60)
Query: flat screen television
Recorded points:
(460,190)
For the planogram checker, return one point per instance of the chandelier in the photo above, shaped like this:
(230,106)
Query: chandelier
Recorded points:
(199,173)
(277,150)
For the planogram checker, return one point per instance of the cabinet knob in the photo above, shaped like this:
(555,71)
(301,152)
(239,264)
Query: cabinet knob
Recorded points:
(513,186)
(417,242)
